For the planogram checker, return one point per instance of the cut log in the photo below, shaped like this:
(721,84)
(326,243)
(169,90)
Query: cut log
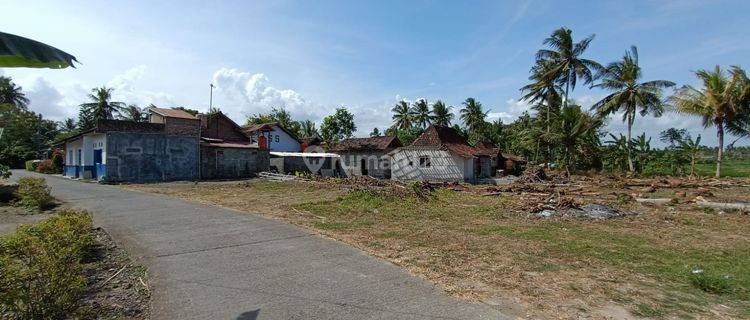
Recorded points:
(656,201)
(741,206)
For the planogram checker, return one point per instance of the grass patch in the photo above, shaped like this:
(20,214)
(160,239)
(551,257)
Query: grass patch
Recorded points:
(34,194)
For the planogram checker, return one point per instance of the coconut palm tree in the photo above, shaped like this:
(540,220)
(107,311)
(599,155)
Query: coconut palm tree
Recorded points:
(308,130)
(566,64)
(68,125)
(691,147)
(473,116)
(578,133)
(135,114)
(402,117)
(10,93)
(441,114)
(722,102)
(543,88)
(630,96)
(421,113)
(101,106)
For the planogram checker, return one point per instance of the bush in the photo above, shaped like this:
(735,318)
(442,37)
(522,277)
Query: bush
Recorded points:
(712,283)
(58,161)
(34,194)
(46,166)
(4,171)
(31,165)
(41,270)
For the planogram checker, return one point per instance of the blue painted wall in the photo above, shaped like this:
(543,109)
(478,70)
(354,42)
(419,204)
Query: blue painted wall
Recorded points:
(150,157)
(71,171)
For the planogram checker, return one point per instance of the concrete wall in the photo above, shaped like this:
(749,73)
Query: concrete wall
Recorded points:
(326,166)
(444,166)
(232,163)
(148,157)
(377,163)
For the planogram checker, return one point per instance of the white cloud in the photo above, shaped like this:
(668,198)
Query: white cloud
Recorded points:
(44,98)
(126,90)
(240,94)
(513,109)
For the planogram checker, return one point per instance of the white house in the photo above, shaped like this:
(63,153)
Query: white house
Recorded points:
(274,137)
(441,154)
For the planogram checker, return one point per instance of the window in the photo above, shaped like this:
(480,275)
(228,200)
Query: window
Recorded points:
(424,161)
(277,138)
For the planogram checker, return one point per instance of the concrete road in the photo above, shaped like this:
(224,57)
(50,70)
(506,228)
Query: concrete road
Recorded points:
(206,262)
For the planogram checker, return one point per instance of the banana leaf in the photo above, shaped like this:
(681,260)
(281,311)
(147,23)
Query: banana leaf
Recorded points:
(20,52)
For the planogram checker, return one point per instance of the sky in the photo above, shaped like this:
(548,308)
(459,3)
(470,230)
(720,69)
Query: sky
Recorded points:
(314,56)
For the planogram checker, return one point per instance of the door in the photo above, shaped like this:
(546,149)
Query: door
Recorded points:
(97,163)
(363,166)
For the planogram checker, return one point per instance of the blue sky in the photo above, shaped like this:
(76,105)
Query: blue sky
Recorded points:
(314,56)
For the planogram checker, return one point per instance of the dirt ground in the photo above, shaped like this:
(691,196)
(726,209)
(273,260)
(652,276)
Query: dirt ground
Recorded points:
(672,259)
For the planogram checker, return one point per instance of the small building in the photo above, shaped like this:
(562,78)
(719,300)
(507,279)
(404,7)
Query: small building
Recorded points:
(441,154)
(510,163)
(274,137)
(126,151)
(227,152)
(367,156)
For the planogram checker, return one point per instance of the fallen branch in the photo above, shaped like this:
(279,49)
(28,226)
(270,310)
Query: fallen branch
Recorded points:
(113,276)
(144,284)
(741,206)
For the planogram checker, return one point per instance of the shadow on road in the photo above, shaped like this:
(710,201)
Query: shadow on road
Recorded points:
(249,315)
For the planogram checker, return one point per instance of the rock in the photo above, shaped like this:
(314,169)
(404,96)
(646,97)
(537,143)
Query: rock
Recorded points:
(546,213)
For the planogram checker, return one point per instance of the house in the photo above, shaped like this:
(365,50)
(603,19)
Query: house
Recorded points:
(227,152)
(118,151)
(367,156)
(441,154)
(274,137)
(318,163)
(510,163)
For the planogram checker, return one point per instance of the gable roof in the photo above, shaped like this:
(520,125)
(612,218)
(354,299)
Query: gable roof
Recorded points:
(368,144)
(268,126)
(205,120)
(447,138)
(172,113)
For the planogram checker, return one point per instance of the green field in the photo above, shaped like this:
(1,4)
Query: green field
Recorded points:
(729,168)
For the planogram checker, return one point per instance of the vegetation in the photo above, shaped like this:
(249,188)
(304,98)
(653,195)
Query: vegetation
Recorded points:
(34,194)
(42,275)
(337,126)
(101,105)
(12,94)
(4,171)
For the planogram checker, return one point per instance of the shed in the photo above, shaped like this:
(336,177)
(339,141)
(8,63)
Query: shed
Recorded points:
(367,156)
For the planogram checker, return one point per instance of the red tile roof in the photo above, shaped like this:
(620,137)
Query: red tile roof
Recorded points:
(447,138)
(172,113)
(368,144)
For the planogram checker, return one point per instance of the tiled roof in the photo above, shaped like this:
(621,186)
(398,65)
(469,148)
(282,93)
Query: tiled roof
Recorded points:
(368,144)
(448,138)
(218,143)
(172,113)
(252,128)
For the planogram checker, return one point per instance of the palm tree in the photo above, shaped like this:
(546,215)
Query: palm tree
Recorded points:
(441,114)
(630,96)
(421,113)
(68,125)
(543,88)
(566,64)
(618,154)
(101,106)
(402,117)
(691,147)
(308,130)
(10,93)
(473,116)
(133,113)
(723,102)
(578,132)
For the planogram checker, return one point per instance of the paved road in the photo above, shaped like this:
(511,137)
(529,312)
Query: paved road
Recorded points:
(207,262)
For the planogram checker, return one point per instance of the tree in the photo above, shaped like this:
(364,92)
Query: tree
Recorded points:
(10,93)
(691,148)
(25,134)
(722,102)
(101,107)
(308,130)
(473,115)
(375,132)
(135,114)
(578,134)
(565,62)
(402,116)
(441,114)
(337,126)
(673,136)
(421,113)
(190,111)
(630,96)
(68,125)
(86,120)
(543,88)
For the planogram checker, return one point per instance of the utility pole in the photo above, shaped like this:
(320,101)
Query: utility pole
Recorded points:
(211,97)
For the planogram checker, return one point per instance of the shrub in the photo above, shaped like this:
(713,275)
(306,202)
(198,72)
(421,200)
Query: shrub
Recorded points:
(58,161)
(711,283)
(4,171)
(31,165)
(34,194)
(41,270)
(46,166)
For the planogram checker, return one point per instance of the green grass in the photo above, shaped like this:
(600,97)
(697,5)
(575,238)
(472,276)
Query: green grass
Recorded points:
(729,168)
